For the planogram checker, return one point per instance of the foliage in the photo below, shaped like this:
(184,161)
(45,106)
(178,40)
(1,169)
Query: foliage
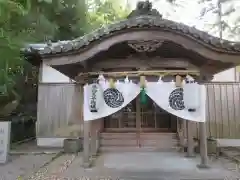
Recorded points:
(10,44)
(69,17)
(105,12)
(24,21)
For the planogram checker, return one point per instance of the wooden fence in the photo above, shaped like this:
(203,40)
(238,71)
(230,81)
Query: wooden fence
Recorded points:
(223,110)
(57,105)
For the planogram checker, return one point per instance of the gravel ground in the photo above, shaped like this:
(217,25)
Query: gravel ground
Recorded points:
(20,165)
(68,167)
(54,170)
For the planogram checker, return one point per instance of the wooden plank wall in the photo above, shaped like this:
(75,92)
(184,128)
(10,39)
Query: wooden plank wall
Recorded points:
(223,110)
(57,108)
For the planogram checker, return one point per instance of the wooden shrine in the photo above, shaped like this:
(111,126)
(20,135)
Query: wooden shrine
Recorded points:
(144,44)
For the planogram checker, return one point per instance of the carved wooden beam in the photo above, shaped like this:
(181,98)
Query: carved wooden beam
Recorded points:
(145,46)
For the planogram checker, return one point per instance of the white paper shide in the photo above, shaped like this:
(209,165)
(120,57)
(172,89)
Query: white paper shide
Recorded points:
(191,94)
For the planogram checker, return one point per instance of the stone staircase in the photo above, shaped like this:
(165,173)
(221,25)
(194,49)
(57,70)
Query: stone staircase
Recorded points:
(131,142)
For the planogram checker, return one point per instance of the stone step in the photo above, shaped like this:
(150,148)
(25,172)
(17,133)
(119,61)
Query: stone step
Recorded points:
(137,149)
(158,136)
(135,135)
(118,142)
(129,142)
(159,143)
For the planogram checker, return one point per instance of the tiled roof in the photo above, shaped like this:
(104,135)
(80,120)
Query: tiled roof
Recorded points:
(140,21)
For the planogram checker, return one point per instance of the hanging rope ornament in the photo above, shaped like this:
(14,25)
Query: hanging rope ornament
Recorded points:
(178,82)
(143,95)
(111,83)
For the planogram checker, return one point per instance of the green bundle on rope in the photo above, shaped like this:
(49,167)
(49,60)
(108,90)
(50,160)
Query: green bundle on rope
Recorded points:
(143,94)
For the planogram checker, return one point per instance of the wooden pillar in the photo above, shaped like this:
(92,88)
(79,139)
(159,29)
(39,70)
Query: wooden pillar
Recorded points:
(184,129)
(86,144)
(190,140)
(181,134)
(204,77)
(86,124)
(93,147)
(203,146)
(95,129)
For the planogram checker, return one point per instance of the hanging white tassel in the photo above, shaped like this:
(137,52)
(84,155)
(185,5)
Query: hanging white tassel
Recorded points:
(189,79)
(160,81)
(101,79)
(126,80)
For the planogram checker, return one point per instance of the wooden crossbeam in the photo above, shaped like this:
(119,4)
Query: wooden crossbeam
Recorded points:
(142,73)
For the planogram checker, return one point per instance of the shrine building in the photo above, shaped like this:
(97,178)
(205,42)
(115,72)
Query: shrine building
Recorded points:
(144,83)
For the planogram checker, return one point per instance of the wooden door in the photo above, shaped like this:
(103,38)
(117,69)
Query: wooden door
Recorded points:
(124,120)
(137,117)
(147,114)
(151,119)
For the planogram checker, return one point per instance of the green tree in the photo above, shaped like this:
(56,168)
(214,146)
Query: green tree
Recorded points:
(10,43)
(102,12)
(29,21)
(20,23)
(69,17)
